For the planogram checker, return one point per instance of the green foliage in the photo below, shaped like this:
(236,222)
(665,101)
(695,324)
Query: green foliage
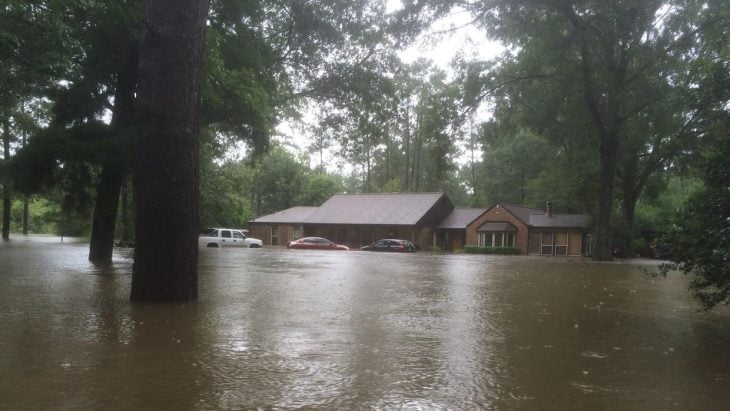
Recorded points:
(318,188)
(475,249)
(46,216)
(655,214)
(701,239)
(234,192)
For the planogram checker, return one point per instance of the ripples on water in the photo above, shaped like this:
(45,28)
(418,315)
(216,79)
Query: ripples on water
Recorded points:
(298,329)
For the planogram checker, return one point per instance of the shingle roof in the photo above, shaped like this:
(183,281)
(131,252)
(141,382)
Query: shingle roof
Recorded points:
(375,209)
(461,217)
(290,215)
(559,220)
(535,217)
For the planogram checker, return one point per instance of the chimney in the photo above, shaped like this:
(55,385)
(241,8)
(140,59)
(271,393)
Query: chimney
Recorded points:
(549,209)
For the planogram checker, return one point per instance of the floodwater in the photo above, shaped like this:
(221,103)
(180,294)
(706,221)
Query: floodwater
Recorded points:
(287,329)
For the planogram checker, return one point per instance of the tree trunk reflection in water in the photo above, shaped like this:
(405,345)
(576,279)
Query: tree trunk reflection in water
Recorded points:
(296,329)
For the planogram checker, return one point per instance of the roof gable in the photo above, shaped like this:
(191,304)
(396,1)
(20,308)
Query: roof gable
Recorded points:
(522,213)
(535,217)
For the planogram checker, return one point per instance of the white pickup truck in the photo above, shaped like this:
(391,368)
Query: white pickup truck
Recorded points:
(227,237)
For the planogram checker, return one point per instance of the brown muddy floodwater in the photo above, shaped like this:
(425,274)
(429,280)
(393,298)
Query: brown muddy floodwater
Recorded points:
(285,329)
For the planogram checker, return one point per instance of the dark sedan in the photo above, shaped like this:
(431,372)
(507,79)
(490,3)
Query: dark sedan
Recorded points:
(392,245)
(315,243)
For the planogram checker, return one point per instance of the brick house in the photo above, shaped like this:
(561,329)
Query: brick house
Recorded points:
(426,219)
(533,231)
(358,219)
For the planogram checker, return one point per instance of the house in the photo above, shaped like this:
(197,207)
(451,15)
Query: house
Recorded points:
(358,219)
(533,231)
(426,219)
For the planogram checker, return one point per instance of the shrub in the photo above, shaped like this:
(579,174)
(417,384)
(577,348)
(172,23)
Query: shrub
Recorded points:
(476,249)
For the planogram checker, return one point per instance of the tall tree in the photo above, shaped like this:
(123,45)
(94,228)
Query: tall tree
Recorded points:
(34,49)
(166,174)
(115,24)
(588,67)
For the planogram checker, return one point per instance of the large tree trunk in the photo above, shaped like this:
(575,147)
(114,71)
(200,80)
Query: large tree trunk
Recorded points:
(603,244)
(7,200)
(629,215)
(604,110)
(114,168)
(166,175)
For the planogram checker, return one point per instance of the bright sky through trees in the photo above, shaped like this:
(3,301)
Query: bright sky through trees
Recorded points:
(448,38)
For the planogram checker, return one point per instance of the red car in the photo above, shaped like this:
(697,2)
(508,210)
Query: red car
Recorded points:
(315,243)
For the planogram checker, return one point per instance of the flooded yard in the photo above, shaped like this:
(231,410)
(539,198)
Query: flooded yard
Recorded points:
(287,329)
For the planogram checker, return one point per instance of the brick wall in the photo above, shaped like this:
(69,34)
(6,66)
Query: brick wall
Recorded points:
(498,214)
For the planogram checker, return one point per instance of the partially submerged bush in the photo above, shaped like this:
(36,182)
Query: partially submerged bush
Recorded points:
(476,249)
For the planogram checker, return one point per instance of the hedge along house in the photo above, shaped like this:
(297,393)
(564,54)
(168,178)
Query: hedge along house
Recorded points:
(359,219)
(533,231)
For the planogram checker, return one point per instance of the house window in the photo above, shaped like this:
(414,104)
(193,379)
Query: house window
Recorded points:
(274,235)
(393,232)
(496,239)
(510,240)
(547,243)
(298,232)
(482,241)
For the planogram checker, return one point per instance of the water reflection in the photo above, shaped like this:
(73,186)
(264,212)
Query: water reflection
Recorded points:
(285,329)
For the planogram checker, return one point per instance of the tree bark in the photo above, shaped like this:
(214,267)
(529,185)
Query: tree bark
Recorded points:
(604,109)
(25,203)
(407,147)
(26,213)
(105,213)
(166,174)
(629,214)
(7,199)
(603,243)
(125,208)
(114,168)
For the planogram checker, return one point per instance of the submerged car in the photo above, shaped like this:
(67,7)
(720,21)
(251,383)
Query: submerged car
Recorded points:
(391,245)
(315,243)
(227,237)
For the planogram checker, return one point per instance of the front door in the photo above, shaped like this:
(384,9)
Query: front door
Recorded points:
(535,241)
